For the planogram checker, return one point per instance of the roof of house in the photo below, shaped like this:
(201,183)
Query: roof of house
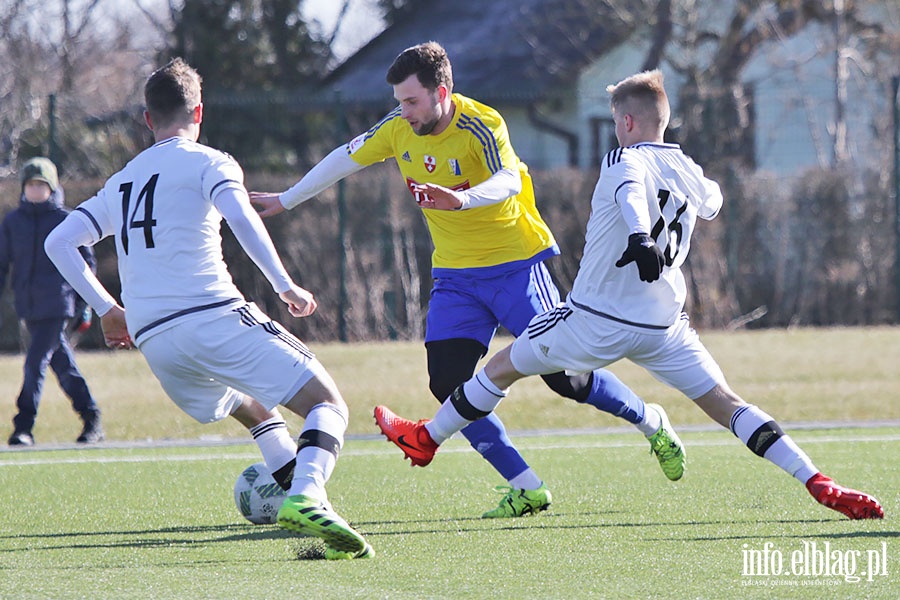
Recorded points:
(513,50)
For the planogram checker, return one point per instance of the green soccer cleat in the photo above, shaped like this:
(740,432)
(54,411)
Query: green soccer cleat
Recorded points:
(667,447)
(332,554)
(308,516)
(518,503)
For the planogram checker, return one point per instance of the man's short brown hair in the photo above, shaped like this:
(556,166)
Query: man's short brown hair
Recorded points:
(428,61)
(172,92)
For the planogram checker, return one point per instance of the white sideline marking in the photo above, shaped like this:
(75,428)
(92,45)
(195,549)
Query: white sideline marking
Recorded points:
(728,441)
(128,459)
(574,442)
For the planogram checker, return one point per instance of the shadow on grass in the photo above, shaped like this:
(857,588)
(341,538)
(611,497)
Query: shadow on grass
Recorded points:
(163,530)
(303,548)
(312,549)
(153,538)
(552,521)
(756,535)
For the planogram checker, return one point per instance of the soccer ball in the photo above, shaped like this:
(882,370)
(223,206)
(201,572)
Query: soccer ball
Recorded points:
(257,495)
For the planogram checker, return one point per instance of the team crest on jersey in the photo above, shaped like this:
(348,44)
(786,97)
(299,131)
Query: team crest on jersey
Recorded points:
(406,157)
(454,166)
(430,163)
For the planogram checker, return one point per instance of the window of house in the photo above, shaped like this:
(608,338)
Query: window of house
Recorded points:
(603,138)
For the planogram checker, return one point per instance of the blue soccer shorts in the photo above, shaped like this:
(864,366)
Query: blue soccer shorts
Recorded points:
(473,303)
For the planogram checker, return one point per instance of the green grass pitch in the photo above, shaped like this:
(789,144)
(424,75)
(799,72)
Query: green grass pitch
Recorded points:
(146,516)
(160,522)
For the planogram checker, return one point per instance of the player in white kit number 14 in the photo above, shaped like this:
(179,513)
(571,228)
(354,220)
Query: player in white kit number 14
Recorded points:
(215,354)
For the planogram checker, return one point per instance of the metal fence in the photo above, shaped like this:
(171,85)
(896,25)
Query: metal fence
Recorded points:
(809,249)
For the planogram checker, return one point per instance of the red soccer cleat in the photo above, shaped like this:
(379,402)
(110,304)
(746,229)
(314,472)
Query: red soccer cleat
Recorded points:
(409,436)
(852,503)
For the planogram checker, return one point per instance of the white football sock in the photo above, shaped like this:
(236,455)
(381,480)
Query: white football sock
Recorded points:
(651,422)
(526,480)
(765,438)
(275,442)
(479,392)
(315,463)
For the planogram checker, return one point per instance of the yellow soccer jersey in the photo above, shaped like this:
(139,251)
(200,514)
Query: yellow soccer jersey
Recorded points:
(473,147)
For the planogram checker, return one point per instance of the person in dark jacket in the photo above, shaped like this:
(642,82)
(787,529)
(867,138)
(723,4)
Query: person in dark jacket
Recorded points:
(44,301)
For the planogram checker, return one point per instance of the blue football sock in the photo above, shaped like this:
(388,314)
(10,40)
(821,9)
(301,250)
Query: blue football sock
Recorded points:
(488,437)
(610,394)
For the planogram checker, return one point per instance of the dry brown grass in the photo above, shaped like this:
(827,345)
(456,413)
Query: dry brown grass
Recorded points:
(796,375)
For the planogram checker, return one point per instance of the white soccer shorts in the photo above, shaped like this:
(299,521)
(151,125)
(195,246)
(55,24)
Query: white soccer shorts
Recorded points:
(573,340)
(209,359)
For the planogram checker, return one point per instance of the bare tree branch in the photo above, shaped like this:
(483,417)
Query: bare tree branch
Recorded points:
(661,36)
(85,18)
(161,27)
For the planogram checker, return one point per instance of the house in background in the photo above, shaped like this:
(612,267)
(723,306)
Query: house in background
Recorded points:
(508,55)
(545,65)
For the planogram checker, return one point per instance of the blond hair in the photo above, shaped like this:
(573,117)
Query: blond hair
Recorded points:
(643,96)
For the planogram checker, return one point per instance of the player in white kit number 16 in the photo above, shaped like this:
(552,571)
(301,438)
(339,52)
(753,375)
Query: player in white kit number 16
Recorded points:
(629,304)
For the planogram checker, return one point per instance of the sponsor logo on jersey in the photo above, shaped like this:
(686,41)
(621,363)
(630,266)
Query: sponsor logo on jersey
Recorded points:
(454,166)
(356,143)
(430,163)
(406,157)
(421,197)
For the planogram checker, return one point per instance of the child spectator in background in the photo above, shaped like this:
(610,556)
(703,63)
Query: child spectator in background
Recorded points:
(44,301)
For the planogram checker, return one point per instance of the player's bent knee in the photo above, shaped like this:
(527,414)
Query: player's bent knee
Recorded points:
(575,387)
(320,389)
(720,403)
(501,370)
(451,363)
(250,413)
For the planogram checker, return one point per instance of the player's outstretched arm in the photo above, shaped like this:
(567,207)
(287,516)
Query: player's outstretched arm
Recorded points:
(268,203)
(326,173)
(233,204)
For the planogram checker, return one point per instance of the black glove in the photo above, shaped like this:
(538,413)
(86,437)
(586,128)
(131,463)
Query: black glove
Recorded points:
(643,251)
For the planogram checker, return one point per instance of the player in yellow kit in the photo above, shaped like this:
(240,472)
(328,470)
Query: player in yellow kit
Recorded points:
(469,151)
(488,263)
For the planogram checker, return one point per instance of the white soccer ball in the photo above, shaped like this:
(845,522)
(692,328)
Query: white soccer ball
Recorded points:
(257,495)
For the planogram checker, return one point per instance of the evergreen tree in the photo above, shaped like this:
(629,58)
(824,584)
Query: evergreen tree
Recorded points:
(259,61)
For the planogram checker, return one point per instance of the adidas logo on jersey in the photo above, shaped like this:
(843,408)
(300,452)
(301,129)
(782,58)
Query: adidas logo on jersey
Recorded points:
(406,156)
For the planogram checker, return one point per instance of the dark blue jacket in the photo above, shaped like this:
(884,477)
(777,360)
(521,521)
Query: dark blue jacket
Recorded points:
(40,291)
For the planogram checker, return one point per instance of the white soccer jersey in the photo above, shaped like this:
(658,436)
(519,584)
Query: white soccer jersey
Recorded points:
(160,209)
(649,187)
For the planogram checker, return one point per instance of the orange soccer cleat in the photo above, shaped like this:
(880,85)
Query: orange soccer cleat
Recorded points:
(851,503)
(409,436)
